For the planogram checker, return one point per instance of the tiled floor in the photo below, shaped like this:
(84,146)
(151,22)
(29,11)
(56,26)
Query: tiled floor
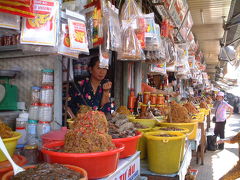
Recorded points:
(217,163)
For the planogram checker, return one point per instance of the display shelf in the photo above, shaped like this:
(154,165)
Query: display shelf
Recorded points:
(180,175)
(128,169)
(10,48)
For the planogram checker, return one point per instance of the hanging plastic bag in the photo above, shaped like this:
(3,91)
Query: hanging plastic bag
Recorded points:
(78,36)
(64,43)
(104,57)
(114,28)
(41,30)
(9,21)
(10,7)
(131,48)
(94,23)
(159,68)
(131,11)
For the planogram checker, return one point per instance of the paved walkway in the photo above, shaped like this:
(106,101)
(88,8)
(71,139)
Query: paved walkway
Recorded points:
(217,163)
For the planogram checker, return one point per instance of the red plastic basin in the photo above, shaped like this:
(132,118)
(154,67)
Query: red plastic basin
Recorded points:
(57,135)
(5,166)
(97,165)
(130,145)
(8,175)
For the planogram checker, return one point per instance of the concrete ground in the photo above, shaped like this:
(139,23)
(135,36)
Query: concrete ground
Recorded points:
(217,163)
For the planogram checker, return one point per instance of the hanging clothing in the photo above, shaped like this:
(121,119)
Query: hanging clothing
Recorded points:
(86,96)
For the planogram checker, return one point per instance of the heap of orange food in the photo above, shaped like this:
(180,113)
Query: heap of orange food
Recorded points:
(191,108)
(203,104)
(178,114)
(5,131)
(89,134)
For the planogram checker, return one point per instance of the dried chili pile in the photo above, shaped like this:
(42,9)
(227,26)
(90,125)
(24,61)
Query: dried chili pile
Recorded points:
(89,133)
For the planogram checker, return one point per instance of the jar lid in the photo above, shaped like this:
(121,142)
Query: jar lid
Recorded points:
(20,128)
(153,94)
(160,105)
(47,87)
(44,122)
(47,70)
(36,88)
(147,93)
(31,147)
(46,105)
(32,121)
(152,105)
(144,105)
(160,94)
(35,104)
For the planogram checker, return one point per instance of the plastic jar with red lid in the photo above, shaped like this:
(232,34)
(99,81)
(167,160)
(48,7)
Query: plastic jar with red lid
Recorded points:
(46,95)
(34,111)
(45,112)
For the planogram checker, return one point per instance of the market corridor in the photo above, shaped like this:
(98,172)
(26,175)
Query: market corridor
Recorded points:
(217,163)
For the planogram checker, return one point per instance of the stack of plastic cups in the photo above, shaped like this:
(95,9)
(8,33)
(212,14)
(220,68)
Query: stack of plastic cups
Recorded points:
(46,103)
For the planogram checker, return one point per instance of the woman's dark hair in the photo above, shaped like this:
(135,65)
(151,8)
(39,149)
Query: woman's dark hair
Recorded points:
(93,61)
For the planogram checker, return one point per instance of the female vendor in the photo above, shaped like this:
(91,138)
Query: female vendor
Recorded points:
(93,91)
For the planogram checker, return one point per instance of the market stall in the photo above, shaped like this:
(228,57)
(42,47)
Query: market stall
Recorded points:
(103,82)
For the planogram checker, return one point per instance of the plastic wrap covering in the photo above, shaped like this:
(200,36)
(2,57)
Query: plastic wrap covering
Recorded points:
(9,21)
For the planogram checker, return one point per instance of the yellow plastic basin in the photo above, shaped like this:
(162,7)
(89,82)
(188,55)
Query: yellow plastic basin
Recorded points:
(142,143)
(150,123)
(164,153)
(10,144)
(192,127)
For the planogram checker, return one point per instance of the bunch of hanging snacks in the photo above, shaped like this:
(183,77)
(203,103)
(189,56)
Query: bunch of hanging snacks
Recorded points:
(22,8)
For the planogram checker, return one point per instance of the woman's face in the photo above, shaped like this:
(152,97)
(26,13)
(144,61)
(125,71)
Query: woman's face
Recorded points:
(97,72)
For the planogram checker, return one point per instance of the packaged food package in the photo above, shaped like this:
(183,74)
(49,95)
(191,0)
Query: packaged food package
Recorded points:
(104,57)
(131,48)
(9,21)
(131,11)
(187,25)
(78,36)
(114,28)
(93,14)
(41,30)
(159,68)
(24,11)
(64,43)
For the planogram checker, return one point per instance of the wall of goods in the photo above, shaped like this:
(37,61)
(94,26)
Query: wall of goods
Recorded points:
(157,33)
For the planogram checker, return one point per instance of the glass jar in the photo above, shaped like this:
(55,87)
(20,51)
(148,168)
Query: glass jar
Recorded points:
(31,153)
(146,97)
(32,131)
(46,95)
(43,128)
(143,107)
(47,77)
(35,94)
(160,99)
(45,112)
(153,98)
(34,111)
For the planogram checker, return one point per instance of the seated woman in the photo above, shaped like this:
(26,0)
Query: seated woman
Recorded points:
(93,91)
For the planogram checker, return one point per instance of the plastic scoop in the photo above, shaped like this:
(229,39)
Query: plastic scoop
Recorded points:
(16,169)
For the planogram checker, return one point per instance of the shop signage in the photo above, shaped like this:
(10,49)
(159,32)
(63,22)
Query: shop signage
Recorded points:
(130,172)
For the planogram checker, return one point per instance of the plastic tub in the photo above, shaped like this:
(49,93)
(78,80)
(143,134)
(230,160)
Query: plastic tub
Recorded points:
(52,136)
(164,153)
(192,127)
(9,174)
(70,122)
(6,166)
(97,165)
(130,144)
(10,144)
(142,143)
(150,123)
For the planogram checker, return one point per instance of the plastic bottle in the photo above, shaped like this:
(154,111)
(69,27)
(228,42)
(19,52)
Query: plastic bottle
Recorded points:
(32,132)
